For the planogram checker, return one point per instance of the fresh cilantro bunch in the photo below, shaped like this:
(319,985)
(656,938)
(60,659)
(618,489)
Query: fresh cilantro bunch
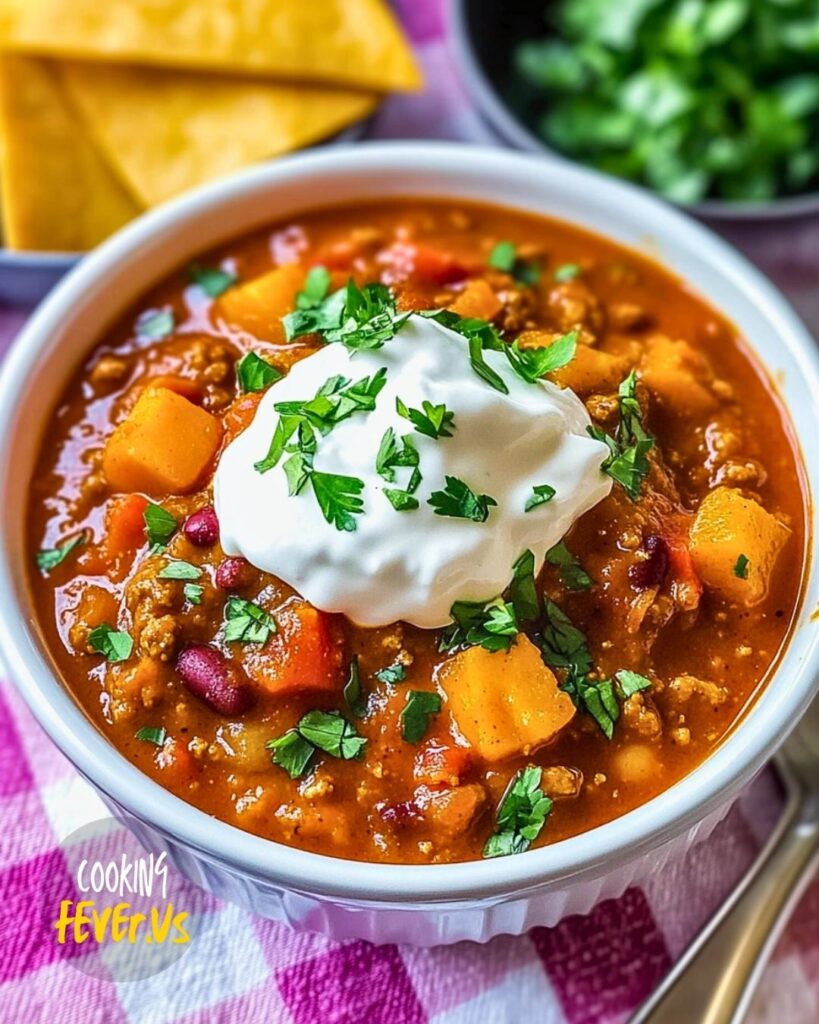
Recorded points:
(694,98)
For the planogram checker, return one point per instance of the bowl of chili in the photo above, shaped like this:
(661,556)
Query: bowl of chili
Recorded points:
(604,232)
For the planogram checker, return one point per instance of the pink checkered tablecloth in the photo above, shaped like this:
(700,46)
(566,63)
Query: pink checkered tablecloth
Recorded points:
(587,970)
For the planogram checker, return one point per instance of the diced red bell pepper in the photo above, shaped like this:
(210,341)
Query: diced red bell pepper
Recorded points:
(124,527)
(442,764)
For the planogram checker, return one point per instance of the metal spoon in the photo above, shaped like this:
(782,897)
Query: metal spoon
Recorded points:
(714,981)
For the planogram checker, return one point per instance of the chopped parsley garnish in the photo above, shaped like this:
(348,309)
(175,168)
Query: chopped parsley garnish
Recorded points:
(359,318)
(480,336)
(291,752)
(193,593)
(317,730)
(521,816)
(331,733)
(420,707)
(160,525)
(541,493)
(212,280)
(434,421)
(316,288)
(627,461)
(153,325)
(391,457)
(395,673)
(352,690)
(246,622)
(339,498)
(562,644)
(255,374)
(458,501)
(572,574)
(567,272)
(489,624)
(504,257)
(152,734)
(335,400)
(741,567)
(533,363)
(601,698)
(50,558)
(495,624)
(113,644)
(179,570)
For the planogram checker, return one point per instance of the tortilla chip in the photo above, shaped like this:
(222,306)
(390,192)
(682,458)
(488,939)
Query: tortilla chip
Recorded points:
(58,193)
(355,43)
(167,131)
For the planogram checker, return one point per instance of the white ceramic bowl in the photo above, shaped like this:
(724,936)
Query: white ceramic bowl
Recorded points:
(418,904)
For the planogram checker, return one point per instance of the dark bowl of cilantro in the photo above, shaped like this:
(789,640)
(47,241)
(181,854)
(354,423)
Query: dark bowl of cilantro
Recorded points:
(713,104)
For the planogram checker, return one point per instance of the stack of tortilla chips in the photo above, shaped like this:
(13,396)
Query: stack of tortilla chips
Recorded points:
(108,107)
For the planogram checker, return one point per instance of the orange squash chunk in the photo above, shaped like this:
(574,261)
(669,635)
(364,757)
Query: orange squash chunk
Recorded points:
(258,305)
(477,299)
(734,545)
(505,704)
(163,446)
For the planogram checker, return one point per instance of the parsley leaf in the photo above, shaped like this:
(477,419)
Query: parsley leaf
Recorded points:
(567,272)
(291,752)
(562,644)
(390,457)
(572,574)
(331,733)
(522,589)
(246,622)
(359,318)
(160,525)
(395,673)
(435,421)
(193,592)
(532,363)
(601,698)
(541,493)
(152,734)
(336,400)
(255,374)
(338,498)
(626,462)
(212,280)
(50,558)
(504,257)
(401,501)
(179,570)
(352,690)
(521,816)
(316,288)
(114,645)
(458,501)
(480,335)
(416,713)
(285,428)
(741,567)
(154,325)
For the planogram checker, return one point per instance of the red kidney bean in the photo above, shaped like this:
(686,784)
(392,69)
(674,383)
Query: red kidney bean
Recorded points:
(232,573)
(202,527)
(652,571)
(398,815)
(213,679)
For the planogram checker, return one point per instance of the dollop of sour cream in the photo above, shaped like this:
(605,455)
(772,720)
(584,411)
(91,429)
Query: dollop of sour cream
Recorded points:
(413,565)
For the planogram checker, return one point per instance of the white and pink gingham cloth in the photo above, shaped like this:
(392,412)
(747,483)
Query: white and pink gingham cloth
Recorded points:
(243,970)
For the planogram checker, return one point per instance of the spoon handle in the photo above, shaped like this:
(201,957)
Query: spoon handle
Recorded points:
(715,980)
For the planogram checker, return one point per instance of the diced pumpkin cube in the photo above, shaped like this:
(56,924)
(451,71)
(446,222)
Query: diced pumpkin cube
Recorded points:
(591,372)
(257,306)
(183,386)
(304,656)
(478,300)
(734,545)
(505,704)
(164,445)
(678,375)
